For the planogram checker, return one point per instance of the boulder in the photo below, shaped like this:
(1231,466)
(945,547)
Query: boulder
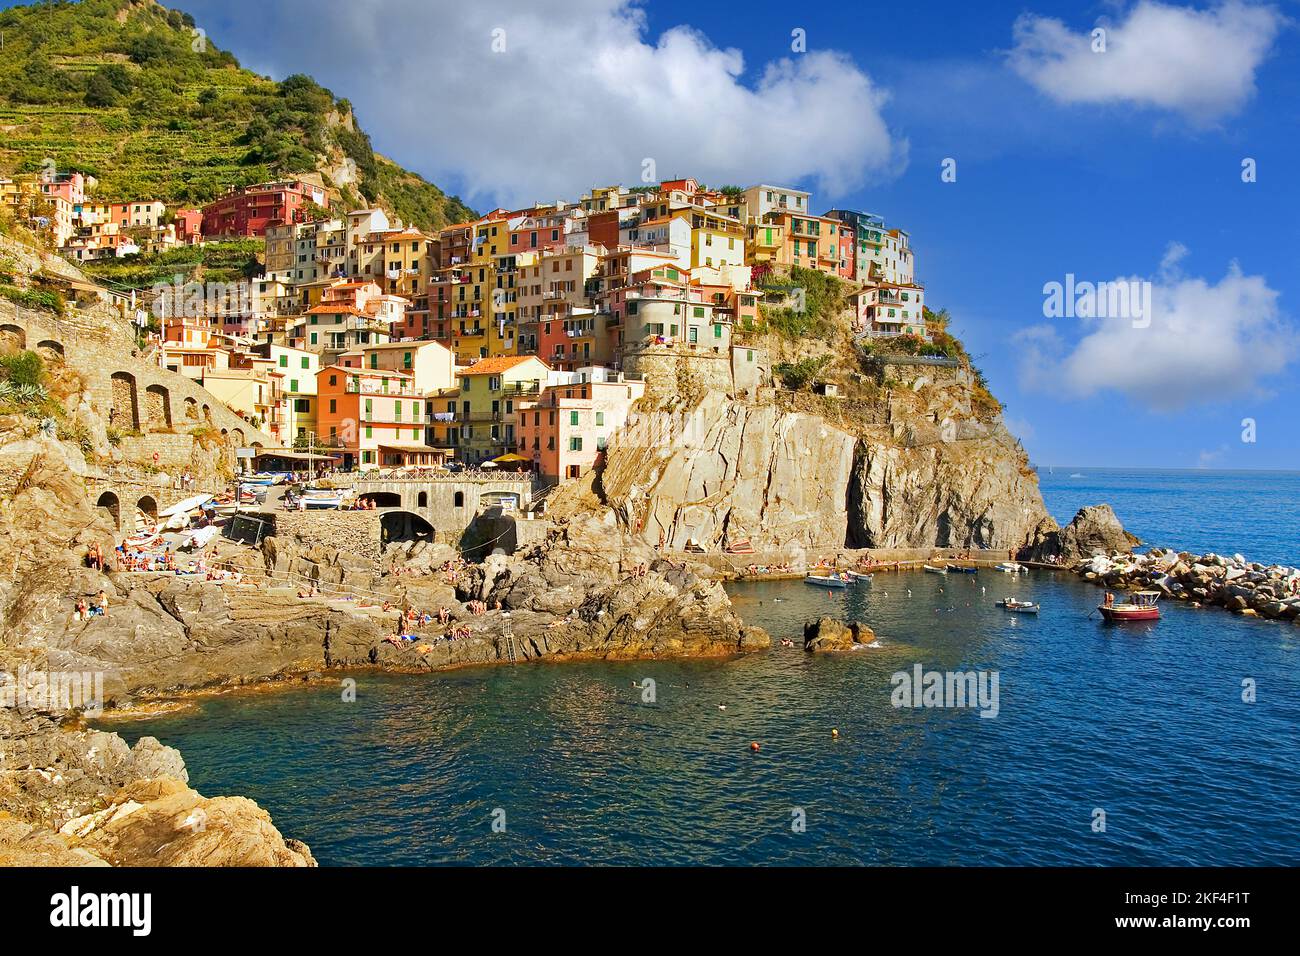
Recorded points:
(829,634)
(1094,531)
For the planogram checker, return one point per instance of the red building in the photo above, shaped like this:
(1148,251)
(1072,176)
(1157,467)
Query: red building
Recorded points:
(249,210)
(189,224)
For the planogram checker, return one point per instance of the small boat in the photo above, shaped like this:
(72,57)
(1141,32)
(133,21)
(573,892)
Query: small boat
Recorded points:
(316,502)
(933,570)
(1142,607)
(1010,567)
(959,569)
(859,575)
(1019,607)
(828,581)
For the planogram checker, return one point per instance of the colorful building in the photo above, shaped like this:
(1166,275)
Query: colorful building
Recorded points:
(490,393)
(567,429)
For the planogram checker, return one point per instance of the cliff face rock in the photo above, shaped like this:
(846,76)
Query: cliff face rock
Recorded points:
(788,481)
(1094,530)
(83,798)
(974,491)
(728,470)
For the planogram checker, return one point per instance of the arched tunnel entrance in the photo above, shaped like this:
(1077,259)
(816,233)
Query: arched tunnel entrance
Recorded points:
(383,499)
(397,526)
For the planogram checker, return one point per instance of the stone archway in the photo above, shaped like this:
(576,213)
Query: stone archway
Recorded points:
(207,414)
(111,508)
(157,407)
(404,526)
(12,336)
(147,507)
(237,436)
(383,499)
(126,410)
(50,349)
(191,410)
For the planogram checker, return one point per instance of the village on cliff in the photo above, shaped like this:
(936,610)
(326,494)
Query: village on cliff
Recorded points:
(520,341)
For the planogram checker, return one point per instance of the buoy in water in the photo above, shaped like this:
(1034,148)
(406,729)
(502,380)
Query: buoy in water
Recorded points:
(753,746)
(834,734)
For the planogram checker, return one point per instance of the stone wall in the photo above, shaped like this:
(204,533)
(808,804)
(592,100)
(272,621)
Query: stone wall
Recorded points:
(450,505)
(129,393)
(672,372)
(356,532)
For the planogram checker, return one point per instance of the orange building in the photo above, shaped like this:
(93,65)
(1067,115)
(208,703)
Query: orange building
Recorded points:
(374,417)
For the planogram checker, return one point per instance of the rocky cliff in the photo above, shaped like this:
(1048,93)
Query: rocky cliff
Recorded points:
(913,468)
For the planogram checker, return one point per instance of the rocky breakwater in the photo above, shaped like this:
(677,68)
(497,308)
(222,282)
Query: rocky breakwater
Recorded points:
(77,797)
(1245,587)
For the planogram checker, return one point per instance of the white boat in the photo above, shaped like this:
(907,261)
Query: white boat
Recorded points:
(859,575)
(1010,567)
(186,506)
(1019,607)
(318,502)
(826,581)
(933,570)
(199,539)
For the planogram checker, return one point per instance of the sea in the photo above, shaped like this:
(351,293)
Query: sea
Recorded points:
(1161,743)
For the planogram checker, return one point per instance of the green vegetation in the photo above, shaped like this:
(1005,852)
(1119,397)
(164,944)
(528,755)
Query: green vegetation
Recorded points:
(46,300)
(801,374)
(135,95)
(22,382)
(226,261)
(823,298)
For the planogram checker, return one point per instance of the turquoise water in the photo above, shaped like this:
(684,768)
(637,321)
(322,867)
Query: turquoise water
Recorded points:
(1254,513)
(1144,722)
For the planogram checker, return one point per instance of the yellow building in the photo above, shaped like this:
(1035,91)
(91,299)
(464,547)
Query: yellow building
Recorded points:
(490,394)
(716,240)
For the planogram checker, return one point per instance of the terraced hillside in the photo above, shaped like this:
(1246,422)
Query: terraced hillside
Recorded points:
(135,95)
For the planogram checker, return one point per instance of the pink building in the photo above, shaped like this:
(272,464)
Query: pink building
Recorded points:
(566,430)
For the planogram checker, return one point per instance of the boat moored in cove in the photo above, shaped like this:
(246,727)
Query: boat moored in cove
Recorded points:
(827,580)
(1142,607)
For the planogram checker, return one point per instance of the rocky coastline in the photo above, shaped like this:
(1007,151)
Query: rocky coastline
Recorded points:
(1244,587)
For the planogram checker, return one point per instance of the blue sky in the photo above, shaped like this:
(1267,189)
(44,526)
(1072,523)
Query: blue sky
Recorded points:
(1125,162)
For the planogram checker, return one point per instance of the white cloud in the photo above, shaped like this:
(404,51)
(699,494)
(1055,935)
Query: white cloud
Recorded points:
(1205,342)
(1200,63)
(581,95)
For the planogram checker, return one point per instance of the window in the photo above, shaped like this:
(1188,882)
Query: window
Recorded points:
(334,406)
(698,312)
(370,431)
(284,361)
(293,385)
(573,418)
(459,500)
(717,330)
(693,334)
(306,362)
(575,443)
(370,402)
(600,418)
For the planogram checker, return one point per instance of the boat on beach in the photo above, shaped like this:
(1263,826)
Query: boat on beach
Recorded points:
(1142,607)
(1010,567)
(961,569)
(933,570)
(826,580)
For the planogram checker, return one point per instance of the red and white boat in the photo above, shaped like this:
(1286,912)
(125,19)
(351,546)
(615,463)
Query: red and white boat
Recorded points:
(1141,607)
